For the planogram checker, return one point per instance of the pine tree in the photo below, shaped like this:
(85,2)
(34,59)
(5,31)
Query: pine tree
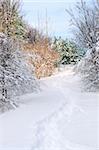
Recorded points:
(69,52)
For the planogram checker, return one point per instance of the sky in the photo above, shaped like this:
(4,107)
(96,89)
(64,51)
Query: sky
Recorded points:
(58,19)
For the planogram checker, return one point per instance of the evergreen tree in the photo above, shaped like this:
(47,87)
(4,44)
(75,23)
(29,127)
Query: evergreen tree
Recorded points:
(69,52)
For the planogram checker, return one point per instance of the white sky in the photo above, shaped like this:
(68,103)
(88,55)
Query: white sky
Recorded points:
(58,19)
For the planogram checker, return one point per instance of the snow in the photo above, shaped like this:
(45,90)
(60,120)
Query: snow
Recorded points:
(16,77)
(88,68)
(60,117)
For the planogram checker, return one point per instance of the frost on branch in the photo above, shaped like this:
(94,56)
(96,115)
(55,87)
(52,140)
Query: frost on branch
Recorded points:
(15,75)
(89,67)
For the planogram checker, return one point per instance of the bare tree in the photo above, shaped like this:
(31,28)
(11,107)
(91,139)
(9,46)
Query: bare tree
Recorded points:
(87,24)
(86,20)
(11,22)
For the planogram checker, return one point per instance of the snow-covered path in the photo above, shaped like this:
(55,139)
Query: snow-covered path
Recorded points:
(60,117)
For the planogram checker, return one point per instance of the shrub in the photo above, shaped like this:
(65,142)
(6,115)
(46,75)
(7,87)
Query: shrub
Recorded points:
(42,57)
(15,76)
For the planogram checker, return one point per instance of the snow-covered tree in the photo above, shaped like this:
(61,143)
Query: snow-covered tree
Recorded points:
(69,52)
(15,76)
(89,69)
(85,19)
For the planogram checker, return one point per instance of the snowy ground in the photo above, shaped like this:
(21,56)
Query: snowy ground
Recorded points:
(60,117)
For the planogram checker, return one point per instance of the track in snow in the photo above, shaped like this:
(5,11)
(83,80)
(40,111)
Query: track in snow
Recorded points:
(60,117)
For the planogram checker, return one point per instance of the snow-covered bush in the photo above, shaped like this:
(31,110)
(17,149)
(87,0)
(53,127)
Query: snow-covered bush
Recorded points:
(15,75)
(89,69)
